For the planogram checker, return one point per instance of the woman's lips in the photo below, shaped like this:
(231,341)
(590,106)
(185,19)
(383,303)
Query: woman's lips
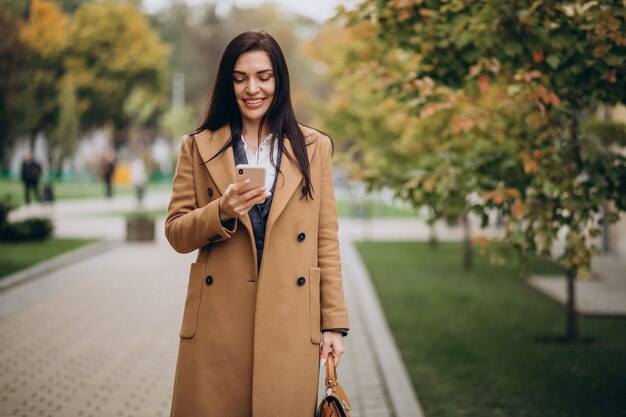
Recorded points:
(253,103)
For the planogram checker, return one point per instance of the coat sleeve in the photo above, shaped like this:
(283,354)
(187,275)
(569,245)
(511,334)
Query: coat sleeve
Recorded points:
(334,313)
(187,226)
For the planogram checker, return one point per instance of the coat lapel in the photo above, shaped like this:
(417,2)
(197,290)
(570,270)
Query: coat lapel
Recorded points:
(288,182)
(222,167)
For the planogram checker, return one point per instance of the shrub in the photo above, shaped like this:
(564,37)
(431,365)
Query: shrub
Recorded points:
(25,230)
(5,207)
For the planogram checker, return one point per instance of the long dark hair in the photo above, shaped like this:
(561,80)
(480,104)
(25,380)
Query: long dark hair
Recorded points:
(222,108)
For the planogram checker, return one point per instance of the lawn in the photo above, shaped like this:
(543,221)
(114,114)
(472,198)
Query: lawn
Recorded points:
(72,190)
(478,343)
(372,209)
(68,190)
(17,256)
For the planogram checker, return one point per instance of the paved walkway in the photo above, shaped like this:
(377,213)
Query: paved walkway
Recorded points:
(604,295)
(98,337)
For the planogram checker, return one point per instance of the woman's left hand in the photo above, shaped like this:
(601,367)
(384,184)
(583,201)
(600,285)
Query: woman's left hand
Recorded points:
(332,341)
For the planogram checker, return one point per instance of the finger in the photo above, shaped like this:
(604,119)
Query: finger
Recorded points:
(261,198)
(253,193)
(258,200)
(239,184)
(324,353)
(229,201)
(338,353)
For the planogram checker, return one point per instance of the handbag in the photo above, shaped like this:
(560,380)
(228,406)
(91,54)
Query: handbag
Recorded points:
(335,403)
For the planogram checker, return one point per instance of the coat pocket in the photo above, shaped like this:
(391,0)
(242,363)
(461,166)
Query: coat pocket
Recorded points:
(192,303)
(314,305)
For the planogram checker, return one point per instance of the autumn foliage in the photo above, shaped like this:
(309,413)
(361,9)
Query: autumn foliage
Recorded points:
(471,107)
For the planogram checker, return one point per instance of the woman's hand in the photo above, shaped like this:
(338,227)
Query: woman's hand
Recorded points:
(332,341)
(232,204)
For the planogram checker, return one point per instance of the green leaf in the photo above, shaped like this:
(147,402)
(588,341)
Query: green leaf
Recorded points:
(553,61)
(614,60)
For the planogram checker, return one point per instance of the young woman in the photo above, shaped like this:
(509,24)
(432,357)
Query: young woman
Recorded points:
(265,301)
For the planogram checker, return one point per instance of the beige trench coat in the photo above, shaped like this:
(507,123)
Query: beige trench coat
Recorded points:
(249,342)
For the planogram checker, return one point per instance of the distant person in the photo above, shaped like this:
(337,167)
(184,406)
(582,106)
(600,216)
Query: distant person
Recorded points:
(31,173)
(139,178)
(265,304)
(107,169)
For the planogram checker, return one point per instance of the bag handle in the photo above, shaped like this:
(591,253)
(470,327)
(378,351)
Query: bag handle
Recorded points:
(331,372)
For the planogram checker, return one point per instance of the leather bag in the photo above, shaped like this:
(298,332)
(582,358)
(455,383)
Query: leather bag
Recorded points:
(335,403)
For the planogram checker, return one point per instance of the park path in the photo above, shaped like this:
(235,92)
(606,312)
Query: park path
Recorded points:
(99,336)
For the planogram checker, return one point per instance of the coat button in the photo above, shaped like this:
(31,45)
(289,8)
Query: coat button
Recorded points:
(208,280)
(301,237)
(209,191)
(301,281)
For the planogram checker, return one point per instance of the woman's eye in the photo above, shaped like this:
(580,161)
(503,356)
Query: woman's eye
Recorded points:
(238,80)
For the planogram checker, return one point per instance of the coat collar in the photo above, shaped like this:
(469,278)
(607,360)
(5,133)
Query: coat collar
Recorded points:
(222,169)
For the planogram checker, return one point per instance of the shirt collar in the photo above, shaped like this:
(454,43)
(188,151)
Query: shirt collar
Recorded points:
(263,142)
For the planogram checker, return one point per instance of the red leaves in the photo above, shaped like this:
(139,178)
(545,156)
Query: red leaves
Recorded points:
(612,76)
(462,124)
(484,82)
(501,195)
(538,56)
(531,161)
(518,210)
(538,91)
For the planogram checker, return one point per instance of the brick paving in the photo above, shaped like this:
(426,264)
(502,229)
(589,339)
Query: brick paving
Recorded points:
(100,343)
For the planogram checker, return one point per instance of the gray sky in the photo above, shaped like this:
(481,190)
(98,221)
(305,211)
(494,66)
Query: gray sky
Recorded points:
(318,9)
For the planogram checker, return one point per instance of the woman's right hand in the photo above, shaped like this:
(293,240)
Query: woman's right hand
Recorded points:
(232,204)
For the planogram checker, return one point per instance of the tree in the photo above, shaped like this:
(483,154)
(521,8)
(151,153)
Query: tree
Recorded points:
(12,56)
(548,65)
(44,35)
(114,54)
(63,140)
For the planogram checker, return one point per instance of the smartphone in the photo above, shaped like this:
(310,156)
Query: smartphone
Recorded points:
(255,173)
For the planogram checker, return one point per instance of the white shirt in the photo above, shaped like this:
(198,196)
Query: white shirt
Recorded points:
(262,158)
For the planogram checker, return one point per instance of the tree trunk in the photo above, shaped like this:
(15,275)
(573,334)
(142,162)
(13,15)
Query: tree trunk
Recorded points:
(606,243)
(572,318)
(32,139)
(467,243)
(433,241)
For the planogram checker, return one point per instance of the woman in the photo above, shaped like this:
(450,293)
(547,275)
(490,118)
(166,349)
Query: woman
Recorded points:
(265,291)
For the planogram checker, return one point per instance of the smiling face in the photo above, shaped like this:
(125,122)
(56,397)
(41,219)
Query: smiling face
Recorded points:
(255,84)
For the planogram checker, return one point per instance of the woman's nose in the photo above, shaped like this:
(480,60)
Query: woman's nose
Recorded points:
(252,87)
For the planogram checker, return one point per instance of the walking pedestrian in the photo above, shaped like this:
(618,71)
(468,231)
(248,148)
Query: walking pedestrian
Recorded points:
(30,174)
(139,178)
(265,302)
(107,169)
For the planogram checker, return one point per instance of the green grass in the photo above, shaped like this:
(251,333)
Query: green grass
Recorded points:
(373,209)
(63,190)
(151,213)
(17,256)
(472,341)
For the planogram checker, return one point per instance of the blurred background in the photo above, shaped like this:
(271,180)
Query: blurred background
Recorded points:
(480,173)
(82,77)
